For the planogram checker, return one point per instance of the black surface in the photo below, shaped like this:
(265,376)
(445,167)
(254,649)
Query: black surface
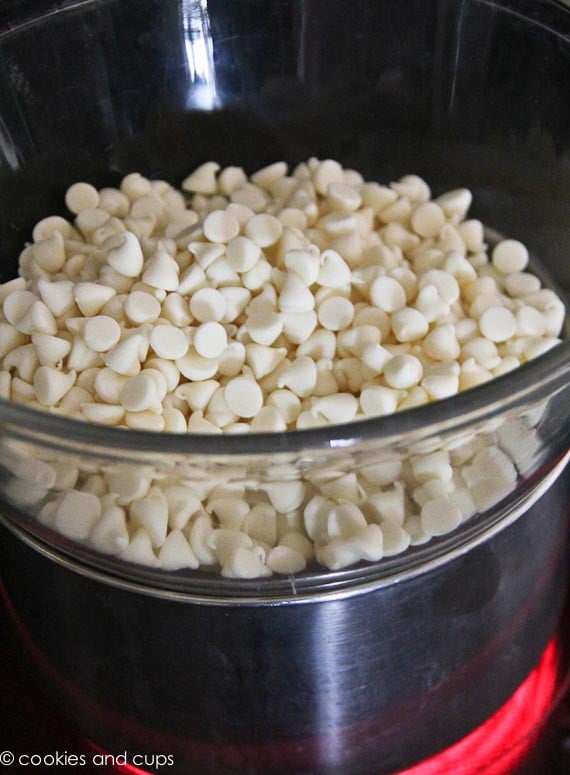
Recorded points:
(469,93)
(28,725)
(422,662)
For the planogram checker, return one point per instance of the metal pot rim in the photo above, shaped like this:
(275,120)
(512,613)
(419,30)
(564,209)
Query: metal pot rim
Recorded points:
(326,586)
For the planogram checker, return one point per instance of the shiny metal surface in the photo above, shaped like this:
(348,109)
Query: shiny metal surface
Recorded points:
(364,684)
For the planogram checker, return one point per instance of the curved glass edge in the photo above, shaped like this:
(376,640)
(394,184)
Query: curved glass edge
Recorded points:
(17,16)
(211,589)
(502,394)
(447,416)
(532,381)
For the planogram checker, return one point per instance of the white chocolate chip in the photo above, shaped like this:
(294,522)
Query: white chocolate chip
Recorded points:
(510,256)
(456,203)
(264,230)
(335,313)
(203,179)
(208,304)
(101,333)
(263,305)
(169,342)
(139,393)
(300,376)
(50,350)
(387,294)
(409,325)
(176,552)
(286,496)
(151,513)
(498,324)
(268,175)
(295,296)
(106,414)
(210,339)
(50,384)
(378,400)
(264,327)
(403,371)
(445,283)
(304,263)
(334,272)
(135,186)
(76,514)
(124,358)
(440,516)
(141,307)
(221,226)
(109,534)
(243,396)
(81,196)
(49,254)
(92,297)
(338,408)
(125,254)
(242,254)
(427,219)
(139,550)
(285,560)
(327,172)
(441,343)
(195,367)
(245,563)
(161,272)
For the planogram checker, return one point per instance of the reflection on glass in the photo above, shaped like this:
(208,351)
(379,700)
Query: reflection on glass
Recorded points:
(199,54)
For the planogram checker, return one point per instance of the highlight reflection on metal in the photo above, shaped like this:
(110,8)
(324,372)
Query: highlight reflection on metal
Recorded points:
(199,55)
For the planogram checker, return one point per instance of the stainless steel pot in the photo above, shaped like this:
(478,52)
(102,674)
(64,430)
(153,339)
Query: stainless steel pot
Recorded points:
(367,670)
(367,679)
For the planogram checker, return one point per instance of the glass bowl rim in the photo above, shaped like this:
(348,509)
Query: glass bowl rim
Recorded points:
(213,589)
(500,395)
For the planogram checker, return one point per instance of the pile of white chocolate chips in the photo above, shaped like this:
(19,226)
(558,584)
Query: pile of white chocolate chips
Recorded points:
(265,304)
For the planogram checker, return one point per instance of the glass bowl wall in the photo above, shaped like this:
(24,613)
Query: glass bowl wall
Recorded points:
(469,93)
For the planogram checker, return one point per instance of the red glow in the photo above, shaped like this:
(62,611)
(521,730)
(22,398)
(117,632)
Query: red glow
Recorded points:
(130,769)
(499,744)
(496,747)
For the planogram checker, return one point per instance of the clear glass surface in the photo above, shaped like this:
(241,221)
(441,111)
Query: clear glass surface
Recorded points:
(466,94)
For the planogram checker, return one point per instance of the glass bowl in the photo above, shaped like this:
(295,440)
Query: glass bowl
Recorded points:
(463,93)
